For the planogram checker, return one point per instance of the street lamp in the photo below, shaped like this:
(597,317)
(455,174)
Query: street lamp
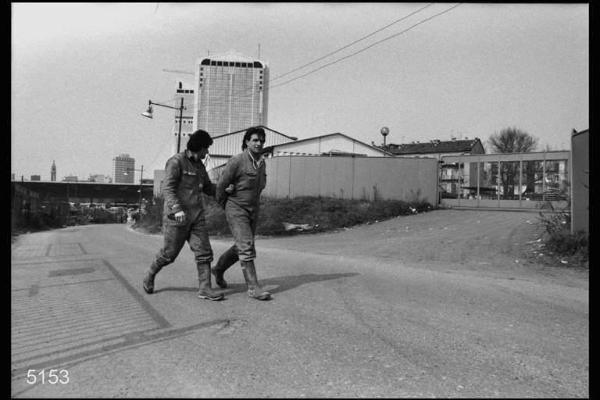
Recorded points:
(148,114)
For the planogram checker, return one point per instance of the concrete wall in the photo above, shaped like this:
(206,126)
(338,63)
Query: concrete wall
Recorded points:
(580,180)
(353,177)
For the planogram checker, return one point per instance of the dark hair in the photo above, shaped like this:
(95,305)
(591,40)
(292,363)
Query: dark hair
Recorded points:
(199,139)
(251,131)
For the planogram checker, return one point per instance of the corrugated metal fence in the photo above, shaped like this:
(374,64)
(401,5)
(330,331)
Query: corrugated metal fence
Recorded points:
(362,178)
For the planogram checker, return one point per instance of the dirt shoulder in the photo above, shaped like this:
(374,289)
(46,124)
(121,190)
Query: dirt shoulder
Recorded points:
(470,240)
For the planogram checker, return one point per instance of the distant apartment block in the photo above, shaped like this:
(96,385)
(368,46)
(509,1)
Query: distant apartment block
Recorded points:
(70,178)
(36,178)
(123,169)
(231,93)
(99,178)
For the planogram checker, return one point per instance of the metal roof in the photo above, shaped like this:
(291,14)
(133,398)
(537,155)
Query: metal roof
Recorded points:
(434,146)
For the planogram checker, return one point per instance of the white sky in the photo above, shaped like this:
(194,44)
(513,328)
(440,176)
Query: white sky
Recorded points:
(83,72)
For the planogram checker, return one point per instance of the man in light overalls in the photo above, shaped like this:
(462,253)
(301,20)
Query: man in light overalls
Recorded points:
(246,173)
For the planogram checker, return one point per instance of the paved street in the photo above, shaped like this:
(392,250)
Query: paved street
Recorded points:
(441,304)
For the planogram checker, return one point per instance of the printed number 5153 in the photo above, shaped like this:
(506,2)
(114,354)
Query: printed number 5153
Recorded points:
(52,377)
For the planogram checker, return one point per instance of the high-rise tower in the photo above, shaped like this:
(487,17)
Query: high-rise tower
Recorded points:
(123,168)
(53,172)
(231,93)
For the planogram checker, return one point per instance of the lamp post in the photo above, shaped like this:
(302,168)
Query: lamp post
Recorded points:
(141,176)
(148,114)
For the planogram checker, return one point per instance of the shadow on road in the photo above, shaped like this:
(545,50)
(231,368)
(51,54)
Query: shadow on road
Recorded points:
(281,283)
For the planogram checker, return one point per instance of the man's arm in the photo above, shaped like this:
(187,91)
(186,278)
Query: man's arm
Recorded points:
(170,185)
(226,178)
(209,188)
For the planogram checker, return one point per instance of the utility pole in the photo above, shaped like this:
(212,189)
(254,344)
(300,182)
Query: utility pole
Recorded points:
(141,176)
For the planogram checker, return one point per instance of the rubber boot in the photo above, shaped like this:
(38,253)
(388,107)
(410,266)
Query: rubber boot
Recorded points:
(205,290)
(148,282)
(226,260)
(254,289)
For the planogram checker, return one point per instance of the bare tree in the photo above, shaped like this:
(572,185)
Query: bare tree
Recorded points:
(513,140)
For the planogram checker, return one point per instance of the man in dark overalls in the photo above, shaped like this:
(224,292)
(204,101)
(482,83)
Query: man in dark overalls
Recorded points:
(238,192)
(183,214)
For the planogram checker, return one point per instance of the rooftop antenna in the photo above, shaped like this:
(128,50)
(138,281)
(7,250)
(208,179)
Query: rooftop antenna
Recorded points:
(259,51)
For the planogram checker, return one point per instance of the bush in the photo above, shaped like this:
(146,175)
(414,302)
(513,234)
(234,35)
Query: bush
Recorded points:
(151,220)
(558,237)
(321,213)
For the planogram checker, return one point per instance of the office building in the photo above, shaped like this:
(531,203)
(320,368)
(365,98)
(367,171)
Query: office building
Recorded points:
(99,178)
(70,178)
(231,93)
(123,169)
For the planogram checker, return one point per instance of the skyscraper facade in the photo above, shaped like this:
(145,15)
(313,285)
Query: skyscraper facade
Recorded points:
(123,168)
(231,93)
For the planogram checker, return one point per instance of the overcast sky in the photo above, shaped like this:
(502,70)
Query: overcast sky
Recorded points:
(83,72)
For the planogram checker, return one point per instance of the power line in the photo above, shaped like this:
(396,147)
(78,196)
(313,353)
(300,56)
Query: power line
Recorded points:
(368,47)
(348,45)
(250,92)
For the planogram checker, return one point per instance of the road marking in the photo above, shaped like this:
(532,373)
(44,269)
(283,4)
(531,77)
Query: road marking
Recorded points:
(160,320)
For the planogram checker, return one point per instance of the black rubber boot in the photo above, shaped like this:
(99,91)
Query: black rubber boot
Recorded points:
(148,282)
(254,289)
(205,290)
(226,260)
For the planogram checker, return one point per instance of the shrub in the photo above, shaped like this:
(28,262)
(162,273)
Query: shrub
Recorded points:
(558,237)
(151,219)
(321,213)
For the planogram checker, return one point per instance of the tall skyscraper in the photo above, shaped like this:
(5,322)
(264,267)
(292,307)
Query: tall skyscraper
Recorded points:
(123,169)
(231,93)
(53,172)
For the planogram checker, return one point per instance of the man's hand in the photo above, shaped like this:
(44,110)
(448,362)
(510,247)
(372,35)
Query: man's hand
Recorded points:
(180,216)
(229,189)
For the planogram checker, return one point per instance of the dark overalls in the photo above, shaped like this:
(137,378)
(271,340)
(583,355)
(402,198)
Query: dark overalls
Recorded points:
(184,181)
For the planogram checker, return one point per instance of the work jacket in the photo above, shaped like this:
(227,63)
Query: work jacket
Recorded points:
(249,178)
(185,180)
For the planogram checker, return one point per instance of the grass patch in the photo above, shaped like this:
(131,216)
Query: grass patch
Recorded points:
(319,214)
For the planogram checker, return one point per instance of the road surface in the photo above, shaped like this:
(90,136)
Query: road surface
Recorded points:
(440,304)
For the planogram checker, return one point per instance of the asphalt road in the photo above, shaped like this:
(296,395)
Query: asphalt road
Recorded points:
(441,304)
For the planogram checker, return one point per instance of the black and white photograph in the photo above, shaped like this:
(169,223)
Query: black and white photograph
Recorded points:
(299,200)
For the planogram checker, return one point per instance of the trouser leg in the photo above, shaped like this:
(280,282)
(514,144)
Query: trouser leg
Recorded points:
(174,238)
(200,245)
(227,259)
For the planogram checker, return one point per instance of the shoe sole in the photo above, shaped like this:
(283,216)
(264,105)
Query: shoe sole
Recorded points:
(262,298)
(211,298)
(147,290)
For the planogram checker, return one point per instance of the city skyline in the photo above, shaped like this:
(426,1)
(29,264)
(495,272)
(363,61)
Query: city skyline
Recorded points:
(83,73)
